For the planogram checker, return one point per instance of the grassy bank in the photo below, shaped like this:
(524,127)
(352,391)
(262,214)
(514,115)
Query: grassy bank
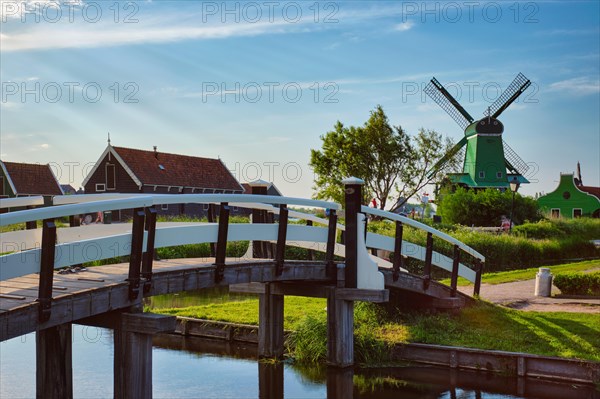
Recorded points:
(484,326)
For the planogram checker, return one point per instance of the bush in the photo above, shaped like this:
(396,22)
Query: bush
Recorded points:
(574,283)
(485,207)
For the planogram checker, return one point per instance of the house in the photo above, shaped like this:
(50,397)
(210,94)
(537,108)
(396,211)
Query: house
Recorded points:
(128,170)
(25,179)
(271,188)
(571,199)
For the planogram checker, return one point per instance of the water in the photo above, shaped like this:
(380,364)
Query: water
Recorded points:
(196,368)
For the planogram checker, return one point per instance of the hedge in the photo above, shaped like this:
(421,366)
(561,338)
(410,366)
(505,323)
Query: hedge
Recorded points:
(576,283)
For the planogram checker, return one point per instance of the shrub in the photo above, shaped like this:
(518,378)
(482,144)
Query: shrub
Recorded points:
(485,207)
(574,283)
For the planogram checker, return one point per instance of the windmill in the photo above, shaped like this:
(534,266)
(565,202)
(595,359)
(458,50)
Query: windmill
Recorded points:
(488,160)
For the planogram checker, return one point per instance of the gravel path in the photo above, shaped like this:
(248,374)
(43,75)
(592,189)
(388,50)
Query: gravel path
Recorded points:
(519,295)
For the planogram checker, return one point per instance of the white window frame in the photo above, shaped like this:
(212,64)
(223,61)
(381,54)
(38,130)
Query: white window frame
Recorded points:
(164,207)
(481,174)
(499,175)
(100,190)
(205,207)
(577,209)
(552,213)
(114,176)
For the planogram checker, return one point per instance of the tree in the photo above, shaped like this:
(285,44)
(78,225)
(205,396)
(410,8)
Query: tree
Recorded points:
(392,164)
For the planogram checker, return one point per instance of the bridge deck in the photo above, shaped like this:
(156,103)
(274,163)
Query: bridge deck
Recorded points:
(104,288)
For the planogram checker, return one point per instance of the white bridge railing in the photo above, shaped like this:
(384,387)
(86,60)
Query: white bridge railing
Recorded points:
(43,250)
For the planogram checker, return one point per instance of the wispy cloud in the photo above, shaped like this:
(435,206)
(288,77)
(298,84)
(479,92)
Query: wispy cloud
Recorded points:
(580,86)
(71,37)
(404,26)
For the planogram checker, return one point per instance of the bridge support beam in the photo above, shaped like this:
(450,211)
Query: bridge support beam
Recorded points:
(133,352)
(270,319)
(340,331)
(54,371)
(340,325)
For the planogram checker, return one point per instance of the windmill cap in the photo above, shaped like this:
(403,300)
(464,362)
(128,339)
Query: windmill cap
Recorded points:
(489,125)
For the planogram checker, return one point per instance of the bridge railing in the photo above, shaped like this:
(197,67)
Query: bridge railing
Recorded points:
(453,265)
(139,243)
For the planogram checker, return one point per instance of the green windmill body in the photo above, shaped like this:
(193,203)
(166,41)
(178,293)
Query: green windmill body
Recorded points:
(488,160)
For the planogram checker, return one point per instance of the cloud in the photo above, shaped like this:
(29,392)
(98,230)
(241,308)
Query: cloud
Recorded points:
(72,37)
(580,86)
(404,26)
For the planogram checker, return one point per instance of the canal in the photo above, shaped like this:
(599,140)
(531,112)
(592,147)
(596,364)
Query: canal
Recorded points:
(198,368)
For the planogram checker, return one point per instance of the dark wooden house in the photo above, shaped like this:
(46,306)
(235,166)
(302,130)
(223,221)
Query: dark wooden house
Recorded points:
(128,170)
(25,179)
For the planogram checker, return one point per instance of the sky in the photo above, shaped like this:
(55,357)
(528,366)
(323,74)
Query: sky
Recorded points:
(257,84)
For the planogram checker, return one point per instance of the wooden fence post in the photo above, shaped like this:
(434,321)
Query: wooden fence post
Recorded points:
(259,248)
(455,264)
(148,256)
(428,258)
(46,269)
(270,324)
(353,190)
(222,241)
(281,239)
(135,259)
(398,260)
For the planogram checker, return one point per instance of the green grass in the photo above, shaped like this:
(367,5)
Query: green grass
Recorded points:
(528,274)
(486,326)
(246,311)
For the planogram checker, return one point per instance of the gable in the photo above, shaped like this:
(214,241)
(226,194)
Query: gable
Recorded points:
(31,179)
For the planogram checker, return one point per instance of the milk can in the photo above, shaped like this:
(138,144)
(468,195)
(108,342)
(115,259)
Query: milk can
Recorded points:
(543,282)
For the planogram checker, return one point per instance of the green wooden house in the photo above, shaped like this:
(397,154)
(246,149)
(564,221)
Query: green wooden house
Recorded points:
(571,199)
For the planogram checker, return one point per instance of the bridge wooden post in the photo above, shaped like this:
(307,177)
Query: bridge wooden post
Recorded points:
(259,248)
(54,370)
(270,324)
(133,352)
(353,190)
(340,383)
(397,251)
(340,326)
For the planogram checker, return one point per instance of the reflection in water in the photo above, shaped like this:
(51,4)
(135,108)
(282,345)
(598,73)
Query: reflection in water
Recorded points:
(197,368)
(406,382)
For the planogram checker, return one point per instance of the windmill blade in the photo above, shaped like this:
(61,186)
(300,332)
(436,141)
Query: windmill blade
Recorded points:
(447,157)
(514,162)
(512,92)
(440,95)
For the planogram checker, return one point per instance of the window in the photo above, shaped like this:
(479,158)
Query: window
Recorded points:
(499,175)
(481,174)
(100,187)
(235,208)
(577,212)
(205,207)
(111,179)
(555,213)
(164,207)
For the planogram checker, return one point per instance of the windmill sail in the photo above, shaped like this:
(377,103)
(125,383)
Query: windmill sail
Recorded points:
(514,162)
(452,153)
(508,96)
(440,95)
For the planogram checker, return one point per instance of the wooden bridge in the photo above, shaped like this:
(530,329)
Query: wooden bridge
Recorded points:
(33,297)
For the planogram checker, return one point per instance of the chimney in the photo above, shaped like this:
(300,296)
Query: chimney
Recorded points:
(155,153)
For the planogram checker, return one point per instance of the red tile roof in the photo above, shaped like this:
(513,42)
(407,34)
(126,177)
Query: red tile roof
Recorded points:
(177,170)
(590,190)
(32,179)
